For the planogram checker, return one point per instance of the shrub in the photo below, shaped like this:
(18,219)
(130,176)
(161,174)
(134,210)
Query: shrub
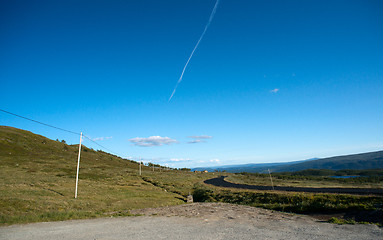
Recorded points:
(202,195)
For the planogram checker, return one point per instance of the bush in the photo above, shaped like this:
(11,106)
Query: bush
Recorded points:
(298,203)
(202,195)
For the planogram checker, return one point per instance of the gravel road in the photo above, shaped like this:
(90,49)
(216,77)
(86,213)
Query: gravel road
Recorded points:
(195,221)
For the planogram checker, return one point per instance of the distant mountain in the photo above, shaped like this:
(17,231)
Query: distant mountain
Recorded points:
(371,160)
(251,167)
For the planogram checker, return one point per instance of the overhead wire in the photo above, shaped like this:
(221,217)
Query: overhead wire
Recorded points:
(62,129)
(101,145)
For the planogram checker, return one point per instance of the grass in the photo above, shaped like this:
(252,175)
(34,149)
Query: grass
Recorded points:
(37,181)
(179,182)
(289,201)
(341,221)
(302,203)
(41,196)
(335,220)
(300,181)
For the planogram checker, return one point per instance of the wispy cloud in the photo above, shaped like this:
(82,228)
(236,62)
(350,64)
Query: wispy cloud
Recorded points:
(196,141)
(152,141)
(216,160)
(180,160)
(101,138)
(199,139)
(195,47)
(275,90)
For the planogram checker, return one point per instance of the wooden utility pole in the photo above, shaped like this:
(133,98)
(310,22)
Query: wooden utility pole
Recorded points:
(272,185)
(78,165)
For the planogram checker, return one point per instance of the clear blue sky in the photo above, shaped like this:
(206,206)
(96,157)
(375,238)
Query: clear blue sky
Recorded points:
(271,81)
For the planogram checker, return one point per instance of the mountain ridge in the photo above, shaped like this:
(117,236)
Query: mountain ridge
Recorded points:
(369,160)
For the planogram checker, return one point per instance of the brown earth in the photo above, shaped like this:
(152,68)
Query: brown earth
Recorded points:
(215,211)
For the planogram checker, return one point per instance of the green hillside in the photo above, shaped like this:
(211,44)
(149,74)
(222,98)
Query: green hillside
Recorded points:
(370,160)
(37,181)
(361,161)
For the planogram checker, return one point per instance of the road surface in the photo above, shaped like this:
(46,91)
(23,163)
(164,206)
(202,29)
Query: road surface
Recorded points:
(194,221)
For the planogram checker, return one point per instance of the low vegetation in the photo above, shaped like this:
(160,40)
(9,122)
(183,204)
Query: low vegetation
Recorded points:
(304,203)
(290,202)
(179,182)
(313,178)
(37,182)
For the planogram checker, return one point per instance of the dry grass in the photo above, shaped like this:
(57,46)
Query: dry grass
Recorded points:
(180,182)
(37,181)
(265,181)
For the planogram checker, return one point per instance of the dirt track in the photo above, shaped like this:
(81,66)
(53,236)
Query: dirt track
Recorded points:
(220,182)
(195,221)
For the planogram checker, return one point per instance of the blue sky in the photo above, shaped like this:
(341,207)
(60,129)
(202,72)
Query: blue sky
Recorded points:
(271,81)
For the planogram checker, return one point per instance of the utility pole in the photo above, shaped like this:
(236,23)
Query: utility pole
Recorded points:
(272,185)
(140,166)
(78,165)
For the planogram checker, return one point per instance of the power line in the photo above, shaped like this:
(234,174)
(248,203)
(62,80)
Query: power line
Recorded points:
(101,145)
(62,129)
(40,122)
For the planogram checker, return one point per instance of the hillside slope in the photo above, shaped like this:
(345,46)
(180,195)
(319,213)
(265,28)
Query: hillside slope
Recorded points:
(371,160)
(37,181)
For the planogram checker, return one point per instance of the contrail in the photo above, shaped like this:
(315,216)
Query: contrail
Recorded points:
(191,55)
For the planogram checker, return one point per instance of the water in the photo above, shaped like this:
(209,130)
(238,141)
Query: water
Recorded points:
(346,176)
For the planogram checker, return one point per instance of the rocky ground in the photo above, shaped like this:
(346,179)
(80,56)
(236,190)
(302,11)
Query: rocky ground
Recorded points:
(218,211)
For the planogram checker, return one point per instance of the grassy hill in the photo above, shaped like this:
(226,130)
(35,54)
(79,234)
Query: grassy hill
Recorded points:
(37,181)
(371,160)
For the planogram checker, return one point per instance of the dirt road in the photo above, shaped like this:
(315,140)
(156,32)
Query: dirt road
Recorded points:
(195,221)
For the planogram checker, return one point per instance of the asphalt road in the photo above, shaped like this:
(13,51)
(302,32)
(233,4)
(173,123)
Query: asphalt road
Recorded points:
(220,182)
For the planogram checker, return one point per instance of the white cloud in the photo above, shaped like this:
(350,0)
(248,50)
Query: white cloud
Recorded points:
(180,159)
(216,160)
(152,141)
(199,139)
(275,90)
(101,138)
